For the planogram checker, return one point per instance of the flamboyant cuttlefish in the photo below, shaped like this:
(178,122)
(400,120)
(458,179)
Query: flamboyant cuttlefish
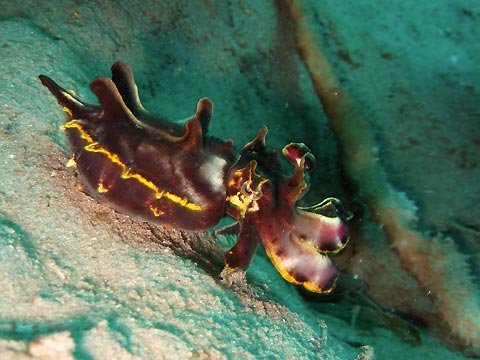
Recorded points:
(179,177)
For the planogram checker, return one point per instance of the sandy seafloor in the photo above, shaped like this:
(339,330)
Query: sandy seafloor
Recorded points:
(80,281)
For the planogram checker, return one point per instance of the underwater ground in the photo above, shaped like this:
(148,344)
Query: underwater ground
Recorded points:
(386,94)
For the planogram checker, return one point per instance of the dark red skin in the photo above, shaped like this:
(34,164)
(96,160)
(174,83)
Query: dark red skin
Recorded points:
(180,177)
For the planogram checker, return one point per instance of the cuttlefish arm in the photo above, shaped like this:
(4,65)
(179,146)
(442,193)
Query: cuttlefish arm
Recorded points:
(295,239)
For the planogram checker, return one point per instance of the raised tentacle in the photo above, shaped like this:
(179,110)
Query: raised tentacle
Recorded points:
(123,78)
(111,102)
(204,113)
(73,106)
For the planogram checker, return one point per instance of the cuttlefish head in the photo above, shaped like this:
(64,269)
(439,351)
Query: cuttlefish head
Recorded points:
(264,202)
